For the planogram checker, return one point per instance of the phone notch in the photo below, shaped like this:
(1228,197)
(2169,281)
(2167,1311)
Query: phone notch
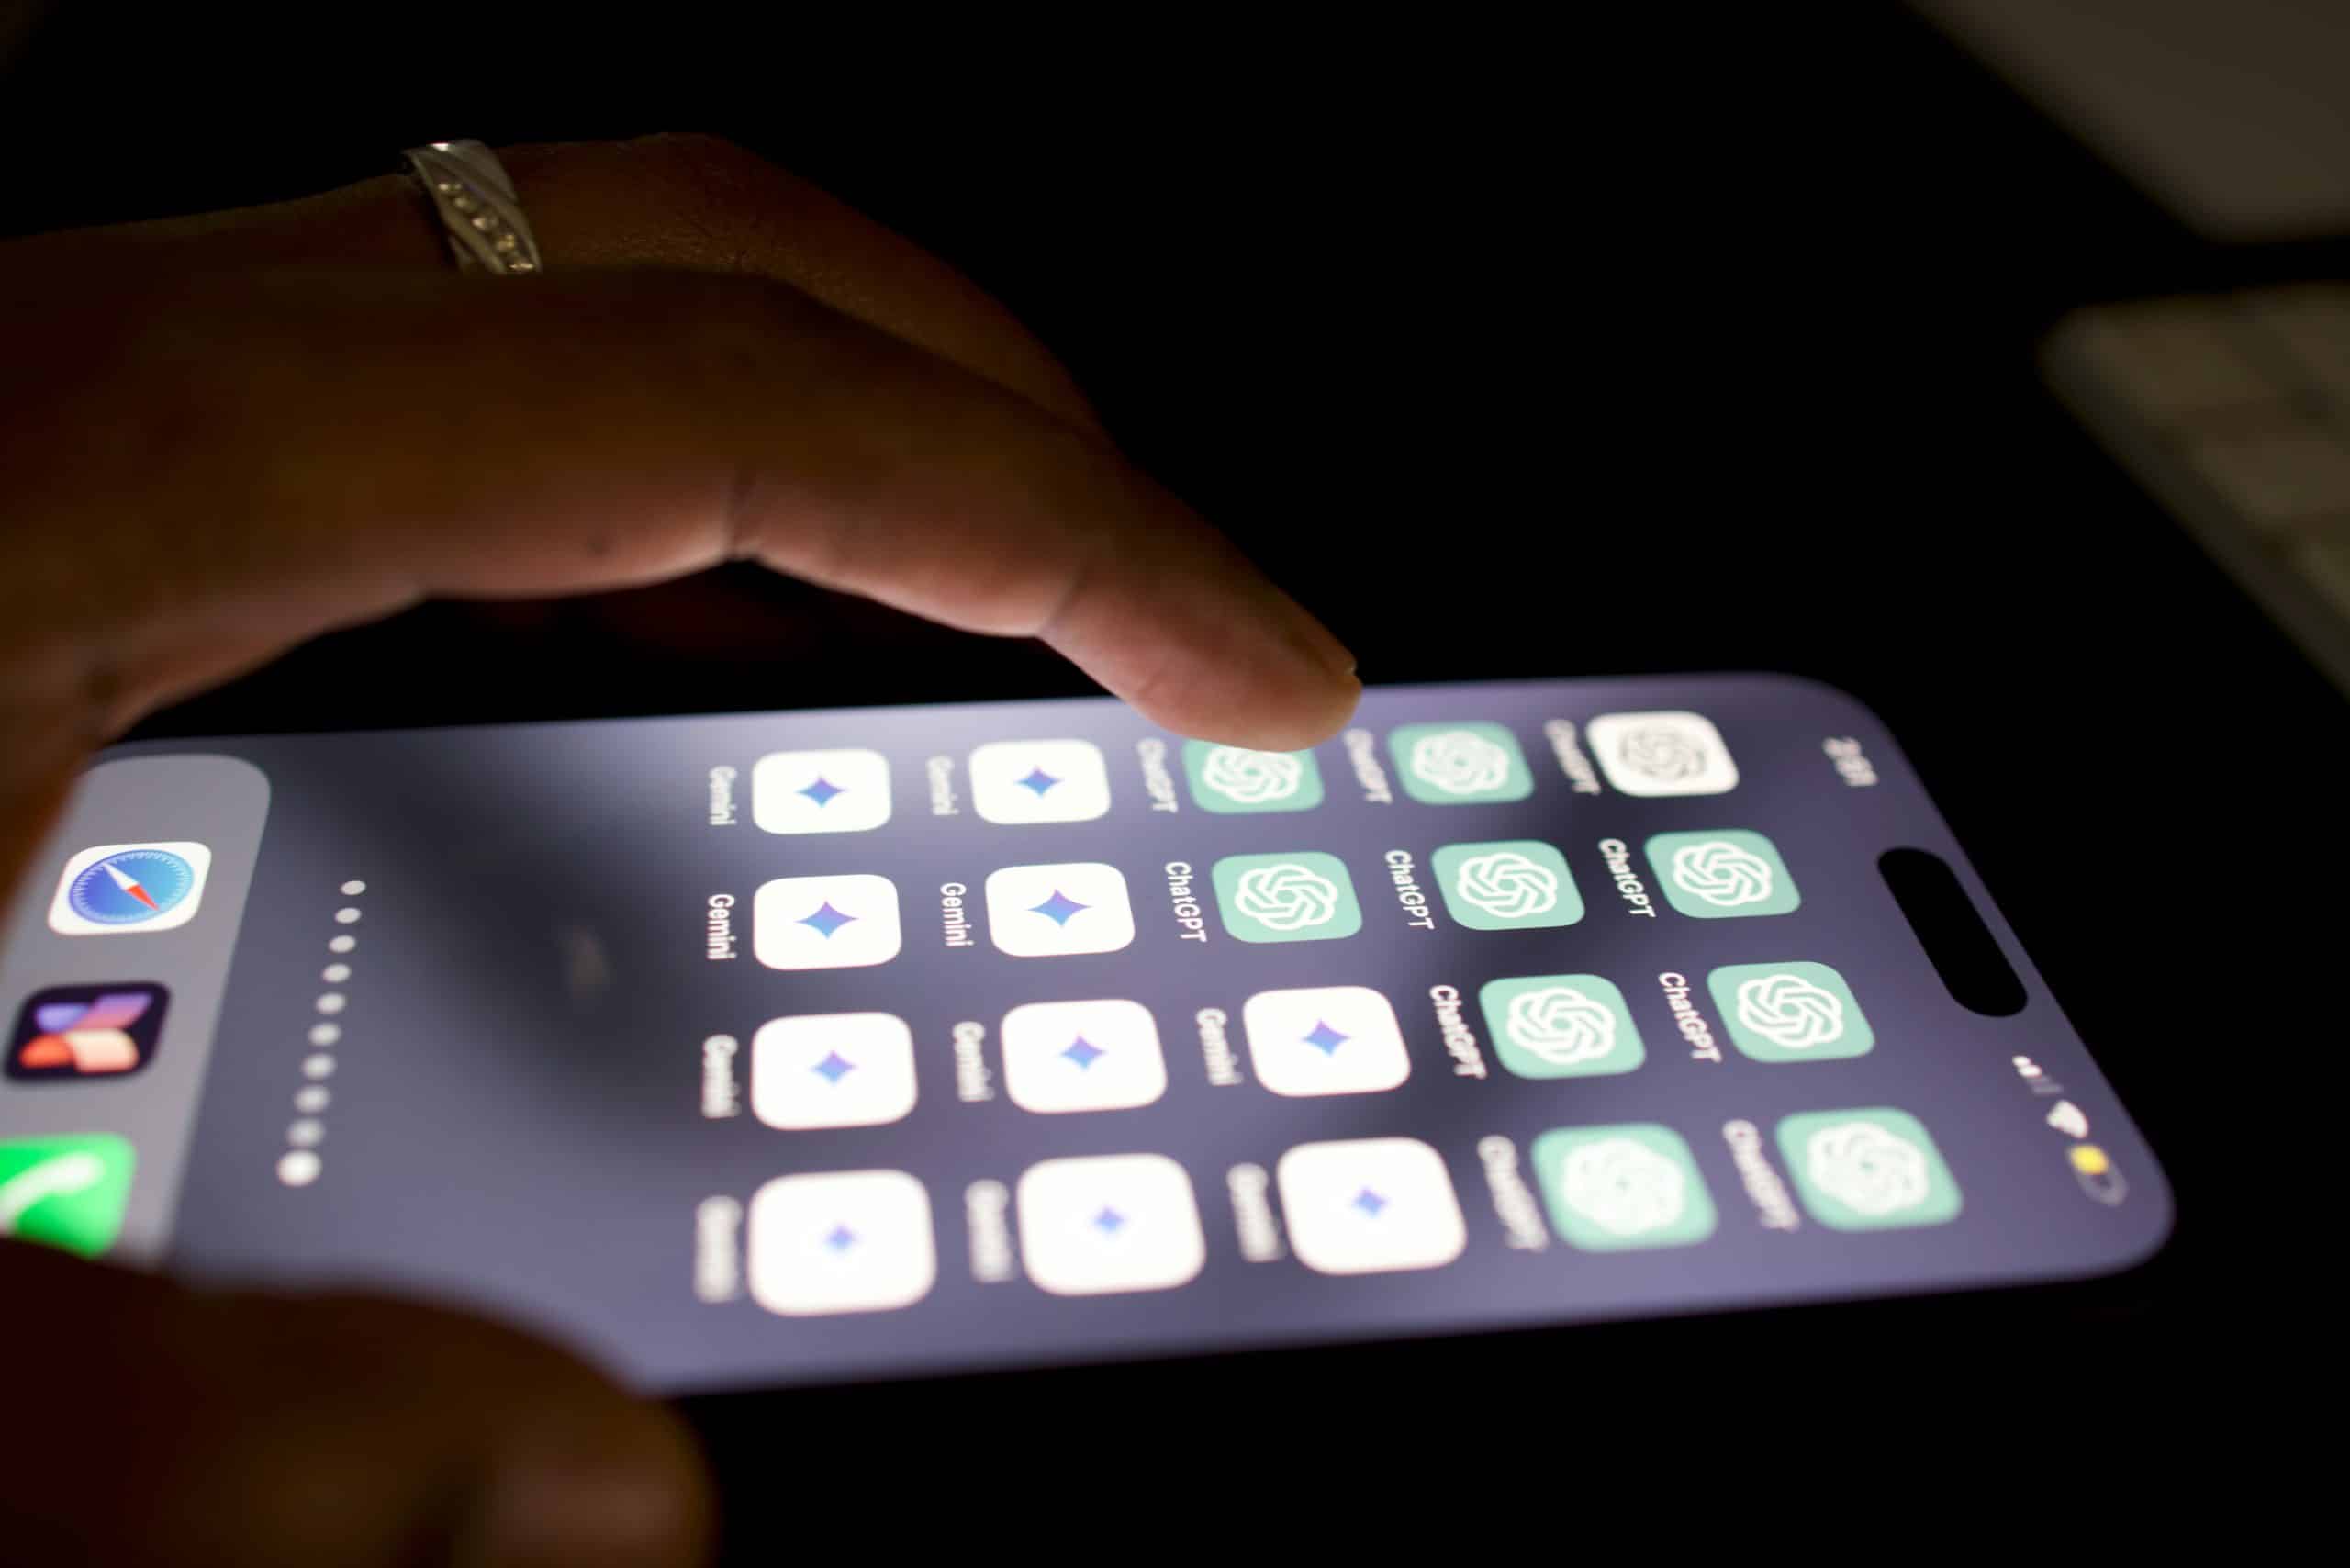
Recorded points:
(1950,929)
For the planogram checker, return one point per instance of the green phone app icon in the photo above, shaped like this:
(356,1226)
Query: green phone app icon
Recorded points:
(1868,1169)
(1500,887)
(1303,896)
(65,1192)
(1790,1012)
(1723,874)
(1611,1188)
(1232,778)
(1561,1027)
(1459,764)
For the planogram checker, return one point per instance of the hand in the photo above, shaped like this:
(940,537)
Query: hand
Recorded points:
(224,435)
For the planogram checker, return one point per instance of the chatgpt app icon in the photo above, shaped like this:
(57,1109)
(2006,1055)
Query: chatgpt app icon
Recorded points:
(1615,1188)
(1666,752)
(1872,1169)
(1503,885)
(1790,1012)
(1302,896)
(1460,765)
(1723,874)
(1230,779)
(1561,1027)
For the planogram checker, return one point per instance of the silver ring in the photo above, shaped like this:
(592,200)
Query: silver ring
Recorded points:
(469,189)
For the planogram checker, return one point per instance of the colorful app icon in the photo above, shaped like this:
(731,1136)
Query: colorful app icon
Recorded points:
(1661,754)
(1109,1224)
(833,1070)
(1302,896)
(841,1241)
(1039,781)
(1372,1205)
(1231,778)
(1042,911)
(1870,1169)
(1460,765)
(1081,1056)
(67,1192)
(825,923)
(1611,1188)
(1723,874)
(1790,1012)
(1561,1027)
(1504,885)
(842,790)
(114,888)
(1327,1040)
(87,1031)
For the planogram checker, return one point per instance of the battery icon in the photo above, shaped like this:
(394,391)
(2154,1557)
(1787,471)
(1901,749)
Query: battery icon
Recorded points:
(2093,1168)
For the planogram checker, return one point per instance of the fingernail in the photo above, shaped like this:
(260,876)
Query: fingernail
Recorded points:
(586,1511)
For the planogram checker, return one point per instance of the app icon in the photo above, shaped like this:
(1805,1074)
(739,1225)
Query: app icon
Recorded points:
(65,1192)
(1329,1039)
(1038,912)
(1723,874)
(1661,754)
(1790,1012)
(1457,765)
(1561,1027)
(841,1241)
(1228,779)
(1635,1184)
(130,887)
(87,1031)
(845,790)
(1868,1169)
(825,923)
(1500,887)
(1370,1205)
(1112,1223)
(832,1069)
(1039,781)
(1081,1056)
(1304,896)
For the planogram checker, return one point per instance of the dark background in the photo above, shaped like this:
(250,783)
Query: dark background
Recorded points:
(1710,331)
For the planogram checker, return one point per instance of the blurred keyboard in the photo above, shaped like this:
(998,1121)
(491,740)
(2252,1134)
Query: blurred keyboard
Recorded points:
(2234,408)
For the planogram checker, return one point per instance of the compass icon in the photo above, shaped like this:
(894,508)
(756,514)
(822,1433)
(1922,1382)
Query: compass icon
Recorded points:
(130,887)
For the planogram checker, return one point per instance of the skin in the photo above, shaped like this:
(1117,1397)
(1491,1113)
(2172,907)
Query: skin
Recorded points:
(230,433)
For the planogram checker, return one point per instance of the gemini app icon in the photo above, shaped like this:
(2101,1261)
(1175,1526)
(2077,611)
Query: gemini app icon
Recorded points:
(832,1069)
(1303,896)
(1228,779)
(845,791)
(1370,1205)
(1081,1056)
(825,923)
(1039,781)
(1042,911)
(841,1241)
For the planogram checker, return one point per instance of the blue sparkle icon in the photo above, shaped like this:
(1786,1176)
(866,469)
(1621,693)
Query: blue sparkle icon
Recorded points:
(835,1067)
(823,790)
(1059,908)
(1108,1222)
(1369,1202)
(1084,1052)
(1039,780)
(841,1238)
(826,920)
(1326,1040)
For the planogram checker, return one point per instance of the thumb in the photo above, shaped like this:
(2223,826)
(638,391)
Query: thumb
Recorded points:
(167,1425)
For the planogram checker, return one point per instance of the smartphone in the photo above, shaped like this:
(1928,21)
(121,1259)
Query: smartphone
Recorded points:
(801,1047)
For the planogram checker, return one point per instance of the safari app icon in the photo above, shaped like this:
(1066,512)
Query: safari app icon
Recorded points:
(109,888)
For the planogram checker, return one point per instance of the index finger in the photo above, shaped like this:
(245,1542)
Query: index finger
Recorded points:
(234,465)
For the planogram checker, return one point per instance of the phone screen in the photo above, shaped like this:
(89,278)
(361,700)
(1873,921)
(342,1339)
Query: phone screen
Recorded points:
(777,1048)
